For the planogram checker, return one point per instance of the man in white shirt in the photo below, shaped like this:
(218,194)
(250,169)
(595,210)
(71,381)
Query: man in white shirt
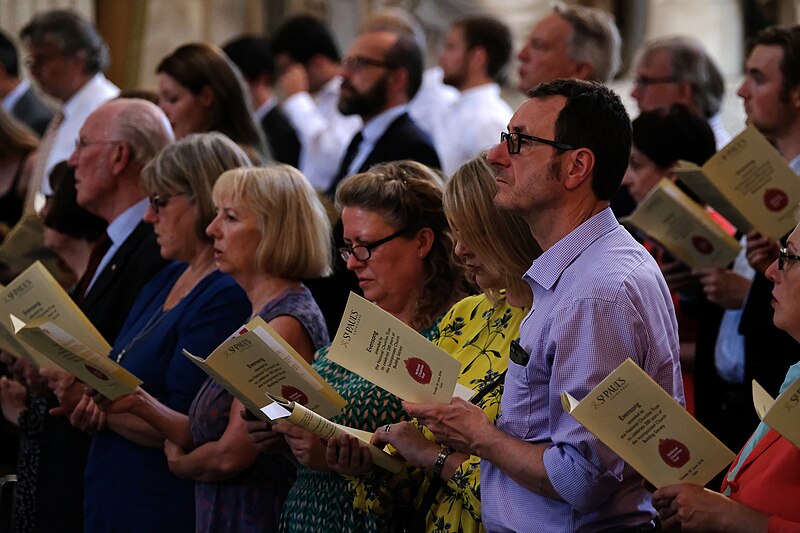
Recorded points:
(67,58)
(678,70)
(307,61)
(572,42)
(473,59)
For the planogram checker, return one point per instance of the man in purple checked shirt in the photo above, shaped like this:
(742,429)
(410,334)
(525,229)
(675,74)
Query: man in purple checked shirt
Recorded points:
(599,298)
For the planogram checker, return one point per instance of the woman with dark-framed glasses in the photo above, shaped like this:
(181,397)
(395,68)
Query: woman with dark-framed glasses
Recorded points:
(398,243)
(759,494)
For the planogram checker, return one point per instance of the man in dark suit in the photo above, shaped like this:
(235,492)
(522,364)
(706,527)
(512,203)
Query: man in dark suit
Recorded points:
(253,56)
(17,95)
(380,75)
(117,140)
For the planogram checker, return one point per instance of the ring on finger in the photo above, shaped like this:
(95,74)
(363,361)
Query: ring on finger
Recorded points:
(387,427)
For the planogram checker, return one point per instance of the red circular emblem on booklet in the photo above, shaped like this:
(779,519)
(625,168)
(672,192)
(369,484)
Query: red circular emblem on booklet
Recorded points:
(419,370)
(702,245)
(673,452)
(775,199)
(96,373)
(293,394)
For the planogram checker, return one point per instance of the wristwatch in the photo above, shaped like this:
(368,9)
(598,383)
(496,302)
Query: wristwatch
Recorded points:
(440,459)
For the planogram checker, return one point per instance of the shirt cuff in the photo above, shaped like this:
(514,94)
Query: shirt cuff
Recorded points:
(579,482)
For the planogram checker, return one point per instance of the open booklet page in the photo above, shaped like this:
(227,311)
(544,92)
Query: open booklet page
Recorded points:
(93,368)
(283,409)
(24,245)
(256,361)
(34,294)
(781,414)
(15,346)
(383,350)
(648,429)
(685,229)
(748,183)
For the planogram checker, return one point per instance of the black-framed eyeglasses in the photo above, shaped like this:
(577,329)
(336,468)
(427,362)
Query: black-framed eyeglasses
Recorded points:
(514,140)
(644,81)
(81,143)
(784,257)
(363,252)
(359,62)
(160,201)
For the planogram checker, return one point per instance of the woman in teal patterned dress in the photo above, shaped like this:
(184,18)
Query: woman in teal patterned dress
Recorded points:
(400,248)
(497,248)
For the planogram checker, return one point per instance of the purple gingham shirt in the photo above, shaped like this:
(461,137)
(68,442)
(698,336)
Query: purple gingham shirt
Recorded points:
(598,298)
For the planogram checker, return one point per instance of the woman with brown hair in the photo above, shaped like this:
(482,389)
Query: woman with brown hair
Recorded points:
(200,90)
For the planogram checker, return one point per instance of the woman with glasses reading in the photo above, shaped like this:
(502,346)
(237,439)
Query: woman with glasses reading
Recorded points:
(398,244)
(760,492)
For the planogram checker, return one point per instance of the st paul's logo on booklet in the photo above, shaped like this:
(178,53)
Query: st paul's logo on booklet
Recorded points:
(383,350)
(781,414)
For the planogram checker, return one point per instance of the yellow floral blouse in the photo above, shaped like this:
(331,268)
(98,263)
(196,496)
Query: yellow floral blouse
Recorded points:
(478,335)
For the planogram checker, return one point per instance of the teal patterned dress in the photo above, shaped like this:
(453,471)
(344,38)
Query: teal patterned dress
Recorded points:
(321,501)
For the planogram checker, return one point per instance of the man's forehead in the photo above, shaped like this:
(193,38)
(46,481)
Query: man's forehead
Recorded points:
(373,43)
(659,60)
(552,28)
(765,54)
(537,115)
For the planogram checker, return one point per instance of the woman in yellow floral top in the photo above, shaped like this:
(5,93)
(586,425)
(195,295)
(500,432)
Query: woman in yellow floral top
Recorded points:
(497,248)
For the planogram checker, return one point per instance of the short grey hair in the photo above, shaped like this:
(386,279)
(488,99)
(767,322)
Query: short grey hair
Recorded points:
(691,63)
(143,126)
(595,39)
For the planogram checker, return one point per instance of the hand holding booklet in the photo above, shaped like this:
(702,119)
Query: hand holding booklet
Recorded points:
(781,414)
(631,414)
(282,409)
(383,350)
(256,362)
(684,228)
(95,369)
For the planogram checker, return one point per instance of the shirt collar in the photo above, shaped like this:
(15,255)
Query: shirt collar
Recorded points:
(548,267)
(86,96)
(15,94)
(377,125)
(122,226)
(265,108)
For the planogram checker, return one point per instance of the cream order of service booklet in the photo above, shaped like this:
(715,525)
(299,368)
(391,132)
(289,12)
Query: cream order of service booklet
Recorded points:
(24,245)
(631,414)
(36,294)
(748,183)
(95,369)
(282,409)
(781,414)
(255,361)
(383,350)
(684,228)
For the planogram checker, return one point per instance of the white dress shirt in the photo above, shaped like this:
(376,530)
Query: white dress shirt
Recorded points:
(433,96)
(721,135)
(471,124)
(92,95)
(13,96)
(323,131)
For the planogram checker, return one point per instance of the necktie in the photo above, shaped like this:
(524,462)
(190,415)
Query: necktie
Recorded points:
(349,155)
(40,165)
(98,252)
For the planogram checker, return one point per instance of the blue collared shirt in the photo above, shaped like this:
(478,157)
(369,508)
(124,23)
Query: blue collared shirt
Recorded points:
(599,298)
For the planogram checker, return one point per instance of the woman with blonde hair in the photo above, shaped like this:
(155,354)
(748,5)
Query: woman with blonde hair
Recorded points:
(440,489)
(200,90)
(268,230)
(399,245)
(17,145)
